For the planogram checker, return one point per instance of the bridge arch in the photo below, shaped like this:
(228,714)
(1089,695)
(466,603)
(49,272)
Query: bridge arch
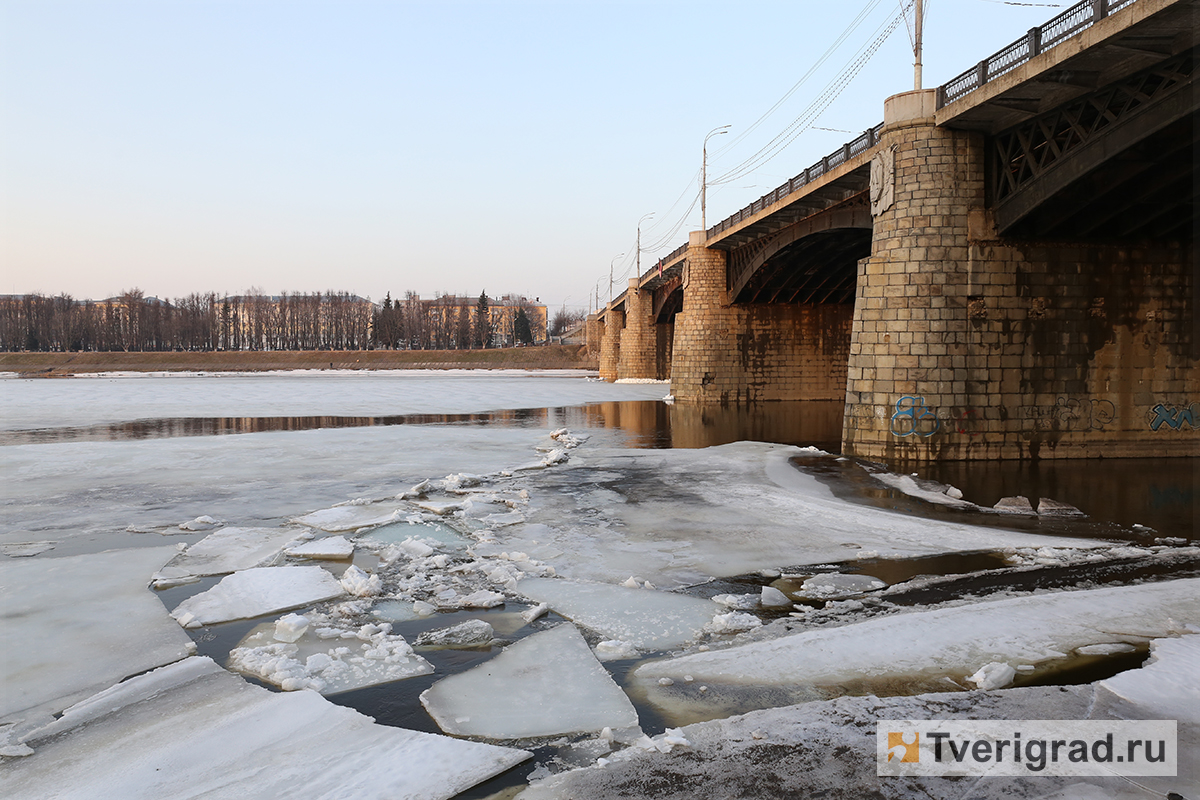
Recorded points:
(810,261)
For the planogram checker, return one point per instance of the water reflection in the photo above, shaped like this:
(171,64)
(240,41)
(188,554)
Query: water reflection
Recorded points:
(645,423)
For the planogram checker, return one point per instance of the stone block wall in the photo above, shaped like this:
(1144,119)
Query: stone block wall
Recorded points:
(594,332)
(610,345)
(970,346)
(639,341)
(724,353)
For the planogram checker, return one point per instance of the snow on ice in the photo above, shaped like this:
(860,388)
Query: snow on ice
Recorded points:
(546,684)
(258,591)
(76,625)
(192,730)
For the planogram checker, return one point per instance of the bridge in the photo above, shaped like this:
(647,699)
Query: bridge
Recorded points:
(1004,268)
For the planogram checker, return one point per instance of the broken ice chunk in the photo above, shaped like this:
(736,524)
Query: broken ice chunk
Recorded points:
(472,633)
(26,549)
(481,599)
(332,547)
(773,598)
(202,523)
(189,729)
(544,685)
(995,675)
(615,650)
(733,622)
(227,550)
(290,627)
(742,602)
(647,620)
(352,516)
(1014,505)
(258,591)
(358,583)
(349,659)
(835,585)
(1054,508)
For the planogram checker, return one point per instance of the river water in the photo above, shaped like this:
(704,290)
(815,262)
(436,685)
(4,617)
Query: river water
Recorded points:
(113,462)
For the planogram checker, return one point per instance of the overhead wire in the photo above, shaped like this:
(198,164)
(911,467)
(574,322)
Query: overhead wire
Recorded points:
(789,134)
(805,120)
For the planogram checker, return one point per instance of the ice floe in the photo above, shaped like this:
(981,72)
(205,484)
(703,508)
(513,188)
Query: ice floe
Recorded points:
(324,658)
(331,547)
(645,619)
(77,624)
(192,730)
(258,591)
(922,647)
(353,515)
(472,633)
(227,550)
(836,586)
(546,684)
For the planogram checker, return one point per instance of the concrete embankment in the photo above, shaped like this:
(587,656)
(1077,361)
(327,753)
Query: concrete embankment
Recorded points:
(60,364)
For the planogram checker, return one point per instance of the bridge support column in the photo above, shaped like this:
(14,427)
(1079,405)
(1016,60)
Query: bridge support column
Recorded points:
(593,334)
(727,353)
(610,345)
(969,345)
(639,350)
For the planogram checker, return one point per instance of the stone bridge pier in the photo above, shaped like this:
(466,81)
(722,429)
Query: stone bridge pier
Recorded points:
(725,352)
(967,344)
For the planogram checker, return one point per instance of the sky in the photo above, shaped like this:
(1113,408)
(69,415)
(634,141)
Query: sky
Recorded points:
(458,146)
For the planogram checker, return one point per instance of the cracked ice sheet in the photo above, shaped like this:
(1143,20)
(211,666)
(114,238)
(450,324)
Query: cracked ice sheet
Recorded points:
(258,591)
(647,619)
(677,517)
(193,730)
(229,550)
(546,684)
(895,653)
(352,516)
(78,624)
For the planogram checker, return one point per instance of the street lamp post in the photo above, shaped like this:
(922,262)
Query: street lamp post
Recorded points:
(704,174)
(639,242)
(610,275)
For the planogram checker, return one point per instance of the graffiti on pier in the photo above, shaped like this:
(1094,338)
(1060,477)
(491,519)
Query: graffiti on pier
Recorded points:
(967,421)
(1073,414)
(1174,417)
(913,418)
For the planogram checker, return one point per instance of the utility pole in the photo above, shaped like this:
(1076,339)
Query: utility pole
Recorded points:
(638,259)
(917,30)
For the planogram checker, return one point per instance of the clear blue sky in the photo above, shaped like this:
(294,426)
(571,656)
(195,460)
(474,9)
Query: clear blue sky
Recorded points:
(457,146)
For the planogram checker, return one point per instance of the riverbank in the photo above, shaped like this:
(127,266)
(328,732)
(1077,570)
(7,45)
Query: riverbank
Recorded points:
(60,364)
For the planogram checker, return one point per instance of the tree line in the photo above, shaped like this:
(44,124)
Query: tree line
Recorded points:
(254,321)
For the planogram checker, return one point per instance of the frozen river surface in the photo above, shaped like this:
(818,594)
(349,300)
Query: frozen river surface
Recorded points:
(488,555)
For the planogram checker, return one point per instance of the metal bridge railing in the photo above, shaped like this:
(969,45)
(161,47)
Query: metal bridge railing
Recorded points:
(1078,17)
(849,150)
